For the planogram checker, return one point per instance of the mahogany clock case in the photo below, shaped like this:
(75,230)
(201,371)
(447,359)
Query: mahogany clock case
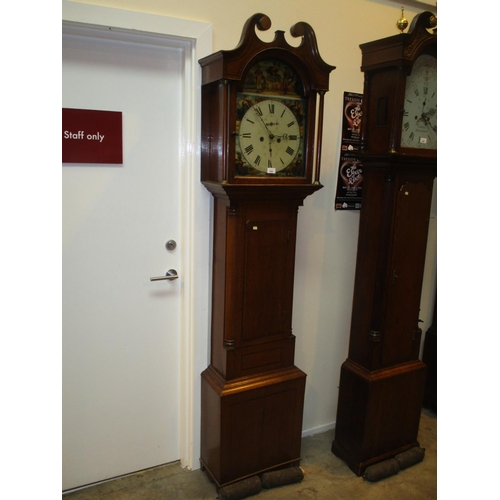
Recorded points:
(259,174)
(382,381)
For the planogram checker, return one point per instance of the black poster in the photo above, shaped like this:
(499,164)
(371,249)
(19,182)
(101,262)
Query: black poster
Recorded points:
(350,178)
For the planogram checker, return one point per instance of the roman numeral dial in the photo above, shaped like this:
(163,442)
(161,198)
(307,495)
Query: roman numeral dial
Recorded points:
(269,137)
(419,124)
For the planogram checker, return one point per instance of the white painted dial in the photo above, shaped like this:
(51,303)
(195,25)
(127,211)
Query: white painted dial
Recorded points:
(419,125)
(269,136)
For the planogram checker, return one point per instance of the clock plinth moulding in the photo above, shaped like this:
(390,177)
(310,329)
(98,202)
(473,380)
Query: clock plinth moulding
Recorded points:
(382,381)
(262,114)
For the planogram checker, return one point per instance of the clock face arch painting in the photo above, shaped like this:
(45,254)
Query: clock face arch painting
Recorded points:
(419,126)
(270,122)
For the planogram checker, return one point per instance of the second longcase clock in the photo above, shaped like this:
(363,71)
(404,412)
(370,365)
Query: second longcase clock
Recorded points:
(262,110)
(382,381)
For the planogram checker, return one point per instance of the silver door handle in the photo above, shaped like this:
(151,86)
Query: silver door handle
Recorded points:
(170,275)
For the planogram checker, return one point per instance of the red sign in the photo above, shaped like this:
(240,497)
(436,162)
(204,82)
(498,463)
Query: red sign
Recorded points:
(90,136)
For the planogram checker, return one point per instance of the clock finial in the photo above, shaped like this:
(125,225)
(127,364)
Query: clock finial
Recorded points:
(402,22)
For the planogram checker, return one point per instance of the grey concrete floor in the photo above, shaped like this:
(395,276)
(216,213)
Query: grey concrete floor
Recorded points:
(327,477)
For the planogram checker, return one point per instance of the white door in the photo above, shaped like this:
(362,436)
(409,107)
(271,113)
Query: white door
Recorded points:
(121,331)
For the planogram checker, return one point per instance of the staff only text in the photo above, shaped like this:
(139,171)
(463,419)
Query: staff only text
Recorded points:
(80,135)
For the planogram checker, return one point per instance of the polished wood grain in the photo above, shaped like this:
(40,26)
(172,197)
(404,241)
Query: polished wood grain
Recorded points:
(382,381)
(252,392)
(251,424)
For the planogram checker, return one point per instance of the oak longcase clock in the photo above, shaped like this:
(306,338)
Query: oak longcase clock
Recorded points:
(382,381)
(262,113)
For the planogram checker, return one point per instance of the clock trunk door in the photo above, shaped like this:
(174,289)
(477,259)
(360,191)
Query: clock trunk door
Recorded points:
(401,337)
(267,276)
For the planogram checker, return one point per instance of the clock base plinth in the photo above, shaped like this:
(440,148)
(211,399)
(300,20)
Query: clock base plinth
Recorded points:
(251,424)
(359,467)
(378,413)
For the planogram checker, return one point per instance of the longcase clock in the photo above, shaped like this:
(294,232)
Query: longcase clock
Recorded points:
(382,381)
(262,113)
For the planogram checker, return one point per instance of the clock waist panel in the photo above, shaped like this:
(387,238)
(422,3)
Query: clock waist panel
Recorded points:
(260,358)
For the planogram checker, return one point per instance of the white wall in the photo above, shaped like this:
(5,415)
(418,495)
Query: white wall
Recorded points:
(326,244)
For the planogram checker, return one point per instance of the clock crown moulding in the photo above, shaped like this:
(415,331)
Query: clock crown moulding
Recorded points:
(391,66)
(403,47)
(232,63)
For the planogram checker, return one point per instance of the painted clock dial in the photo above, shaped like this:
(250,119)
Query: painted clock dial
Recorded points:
(419,124)
(270,121)
(269,136)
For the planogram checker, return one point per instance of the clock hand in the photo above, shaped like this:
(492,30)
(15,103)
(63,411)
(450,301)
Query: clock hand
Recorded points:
(423,116)
(427,116)
(271,136)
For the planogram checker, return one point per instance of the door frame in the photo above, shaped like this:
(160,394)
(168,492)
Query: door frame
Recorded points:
(195,40)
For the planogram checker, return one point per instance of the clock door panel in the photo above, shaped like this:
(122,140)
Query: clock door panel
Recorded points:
(267,297)
(401,332)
